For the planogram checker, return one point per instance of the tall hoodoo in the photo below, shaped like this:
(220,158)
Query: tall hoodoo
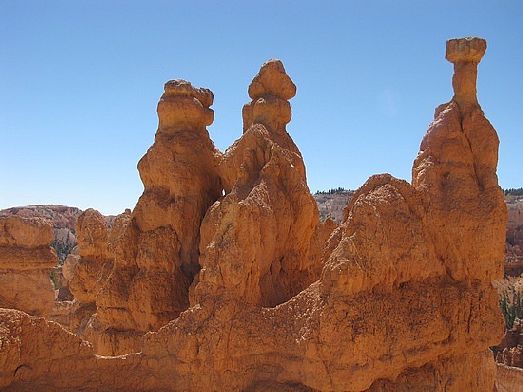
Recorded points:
(256,241)
(445,231)
(270,91)
(179,170)
(456,166)
(155,249)
(465,54)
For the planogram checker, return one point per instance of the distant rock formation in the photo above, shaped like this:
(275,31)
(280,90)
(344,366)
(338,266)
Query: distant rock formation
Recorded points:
(510,351)
(331,204)
(62,218)
(514,246)
(249,290)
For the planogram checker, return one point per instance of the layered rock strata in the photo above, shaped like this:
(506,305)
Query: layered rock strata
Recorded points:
(26,259)
(62,218)
(399,297)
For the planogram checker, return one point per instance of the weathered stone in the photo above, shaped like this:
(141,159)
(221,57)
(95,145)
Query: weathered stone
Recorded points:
(256,241)
(399,297)
(140,269)
(26,259)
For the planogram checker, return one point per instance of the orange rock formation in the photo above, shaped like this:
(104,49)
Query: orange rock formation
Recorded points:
(397,298)
(26,259)
(256,241)
(138,271)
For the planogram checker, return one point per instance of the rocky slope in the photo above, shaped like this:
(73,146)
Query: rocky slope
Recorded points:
(332,203)
(263,296)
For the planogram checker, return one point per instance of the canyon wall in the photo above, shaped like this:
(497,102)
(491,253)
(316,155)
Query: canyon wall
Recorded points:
(226,264)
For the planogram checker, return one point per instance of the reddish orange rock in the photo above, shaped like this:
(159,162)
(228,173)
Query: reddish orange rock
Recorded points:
(399,297)
(88,270)
(256,241)
(456,171)
(139,270)
(26,259)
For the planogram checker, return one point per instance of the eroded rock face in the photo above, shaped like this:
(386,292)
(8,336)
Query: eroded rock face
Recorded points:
(449,224)
(456,171)
(62,218)
(26,259)
(399,297)
(256,241)
(88,267)
(139,270)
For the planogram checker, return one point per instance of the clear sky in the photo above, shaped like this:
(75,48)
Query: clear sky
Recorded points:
(80,80)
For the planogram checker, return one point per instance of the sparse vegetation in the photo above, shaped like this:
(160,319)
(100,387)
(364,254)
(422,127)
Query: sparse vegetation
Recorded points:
(513,192)
(54,275)
(511,300)
(63,247)
(333,190)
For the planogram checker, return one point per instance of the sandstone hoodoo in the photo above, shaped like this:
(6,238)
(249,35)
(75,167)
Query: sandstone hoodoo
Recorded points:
(247,290)
(256,241)
(140,269)
(456,167)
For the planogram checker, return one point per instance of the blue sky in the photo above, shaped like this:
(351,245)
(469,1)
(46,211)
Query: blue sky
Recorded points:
(80,80)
